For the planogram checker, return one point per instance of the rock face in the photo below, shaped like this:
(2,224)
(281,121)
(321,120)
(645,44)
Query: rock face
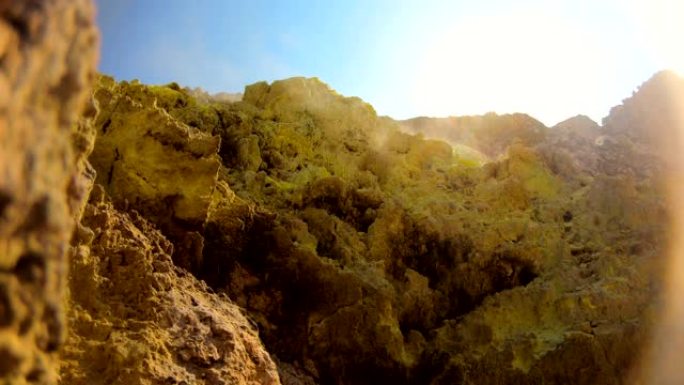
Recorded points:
(490,134)
(150,161)
(367,255)
(647,126)
(47,62)
(135,318)
(362,254)
(650,125)
(571,148)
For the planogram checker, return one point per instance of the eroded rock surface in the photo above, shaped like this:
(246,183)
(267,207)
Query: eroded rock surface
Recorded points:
(367,255)
(135,318)
(47,62)
(514,253)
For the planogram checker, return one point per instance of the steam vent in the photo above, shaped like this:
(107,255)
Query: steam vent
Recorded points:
(155,234)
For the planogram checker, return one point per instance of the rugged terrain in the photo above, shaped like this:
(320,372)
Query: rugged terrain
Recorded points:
(514,253)
(162,235)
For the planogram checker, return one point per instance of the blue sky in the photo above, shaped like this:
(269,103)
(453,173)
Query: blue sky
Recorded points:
(550,58)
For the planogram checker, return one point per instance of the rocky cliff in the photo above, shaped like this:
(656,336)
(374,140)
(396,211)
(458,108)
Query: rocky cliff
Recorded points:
(135,317)
(365,254)
(295,237)
(100,279)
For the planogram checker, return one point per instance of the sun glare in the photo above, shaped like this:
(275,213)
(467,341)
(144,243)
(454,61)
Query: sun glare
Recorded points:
(544,61)
(661,28)
(508,63)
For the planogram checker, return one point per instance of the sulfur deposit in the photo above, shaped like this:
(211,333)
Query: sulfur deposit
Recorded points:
(513,253)
(290,235)
(135,317)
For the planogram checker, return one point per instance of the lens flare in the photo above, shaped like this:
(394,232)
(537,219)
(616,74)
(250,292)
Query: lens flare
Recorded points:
(662,359)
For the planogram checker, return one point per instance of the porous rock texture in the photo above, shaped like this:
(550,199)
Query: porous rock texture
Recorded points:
(365,255)
(513,253)
(149,161)
(135,318)
(48,50)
